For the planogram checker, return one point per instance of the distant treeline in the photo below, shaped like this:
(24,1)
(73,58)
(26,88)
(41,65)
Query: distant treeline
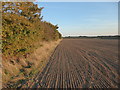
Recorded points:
(23,27)
(100,37)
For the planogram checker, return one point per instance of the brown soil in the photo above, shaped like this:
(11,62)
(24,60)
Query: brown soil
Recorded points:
(81,63)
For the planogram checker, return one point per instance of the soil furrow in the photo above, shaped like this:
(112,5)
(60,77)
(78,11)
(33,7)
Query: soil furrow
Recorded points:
(81,63)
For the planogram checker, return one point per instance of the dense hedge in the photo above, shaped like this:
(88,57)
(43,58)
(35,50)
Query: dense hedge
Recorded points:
(22,27)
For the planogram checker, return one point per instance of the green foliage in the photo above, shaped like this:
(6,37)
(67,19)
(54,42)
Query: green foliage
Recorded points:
(22,27)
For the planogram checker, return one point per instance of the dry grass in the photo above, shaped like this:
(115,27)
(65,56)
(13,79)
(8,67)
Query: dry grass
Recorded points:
(0,76)
(23,68)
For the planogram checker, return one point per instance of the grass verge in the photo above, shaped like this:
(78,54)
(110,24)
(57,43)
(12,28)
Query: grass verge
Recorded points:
(20,72)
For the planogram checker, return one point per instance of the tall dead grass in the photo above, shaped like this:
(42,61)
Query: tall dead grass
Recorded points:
(23,68)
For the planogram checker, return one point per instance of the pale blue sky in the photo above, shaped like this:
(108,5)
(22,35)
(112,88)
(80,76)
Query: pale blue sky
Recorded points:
(82,18)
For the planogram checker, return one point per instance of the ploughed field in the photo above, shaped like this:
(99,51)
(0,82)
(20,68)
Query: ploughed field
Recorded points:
(81,63)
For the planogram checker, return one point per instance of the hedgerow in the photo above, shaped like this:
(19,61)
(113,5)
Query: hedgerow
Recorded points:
(23,26)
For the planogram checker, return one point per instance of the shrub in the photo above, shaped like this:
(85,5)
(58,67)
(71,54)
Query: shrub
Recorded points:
(22,27)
